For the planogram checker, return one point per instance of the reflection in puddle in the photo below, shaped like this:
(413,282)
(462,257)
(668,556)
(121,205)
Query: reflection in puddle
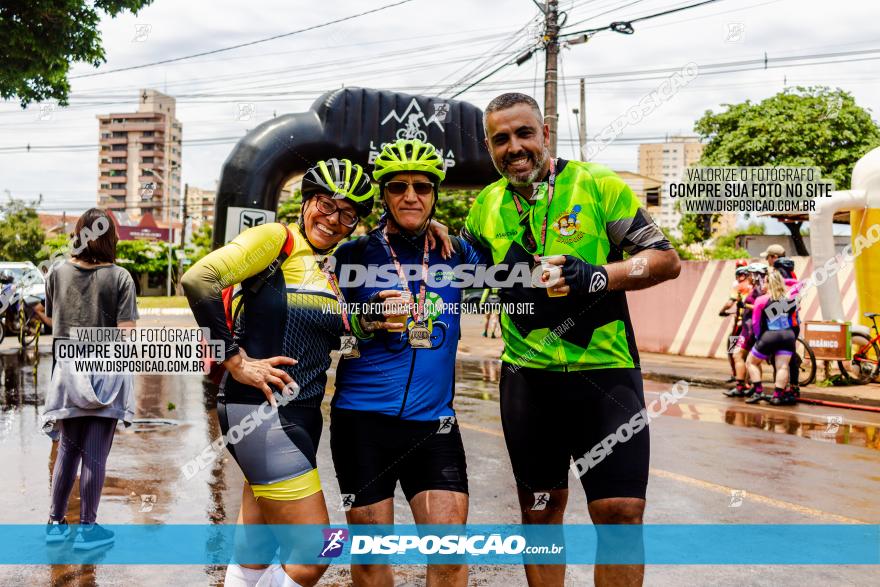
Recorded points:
(479,379)
(833,429)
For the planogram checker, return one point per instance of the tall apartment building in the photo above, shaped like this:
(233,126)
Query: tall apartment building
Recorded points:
(139,159)
(667,162)
(200,206)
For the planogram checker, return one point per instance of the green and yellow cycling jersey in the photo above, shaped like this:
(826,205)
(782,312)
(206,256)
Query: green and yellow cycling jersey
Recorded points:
(593,216)
(295,312)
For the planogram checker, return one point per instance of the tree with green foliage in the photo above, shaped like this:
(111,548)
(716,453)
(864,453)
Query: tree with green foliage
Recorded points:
(140,257)
(802,126)
(813,126)
(21,234)
(41,38)
(202,240)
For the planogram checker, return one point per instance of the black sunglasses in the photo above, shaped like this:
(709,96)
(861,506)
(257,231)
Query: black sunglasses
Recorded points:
(398,188)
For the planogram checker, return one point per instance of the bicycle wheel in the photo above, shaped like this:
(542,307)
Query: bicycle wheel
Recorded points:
(863,367)
(807,372)
(28,325)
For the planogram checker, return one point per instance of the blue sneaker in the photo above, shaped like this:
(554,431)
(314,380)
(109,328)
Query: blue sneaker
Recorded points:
(92,536)
(57,531)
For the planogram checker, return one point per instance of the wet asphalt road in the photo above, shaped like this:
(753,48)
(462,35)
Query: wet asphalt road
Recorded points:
(790,464)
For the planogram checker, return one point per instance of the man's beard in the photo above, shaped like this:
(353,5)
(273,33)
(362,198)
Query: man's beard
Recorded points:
(532,176)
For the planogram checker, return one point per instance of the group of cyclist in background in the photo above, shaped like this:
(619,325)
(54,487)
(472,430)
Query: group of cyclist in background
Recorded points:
(766,326)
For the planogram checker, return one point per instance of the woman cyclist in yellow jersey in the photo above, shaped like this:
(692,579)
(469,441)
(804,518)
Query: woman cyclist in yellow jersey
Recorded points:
(283,335)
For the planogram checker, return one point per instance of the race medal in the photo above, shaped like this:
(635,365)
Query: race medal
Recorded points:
(420,336)
(348,347)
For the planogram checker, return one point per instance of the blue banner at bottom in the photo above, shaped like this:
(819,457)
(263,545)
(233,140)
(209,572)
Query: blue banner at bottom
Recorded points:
(673,544)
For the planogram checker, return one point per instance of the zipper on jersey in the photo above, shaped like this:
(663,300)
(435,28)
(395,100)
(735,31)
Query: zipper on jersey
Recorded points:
(412,365)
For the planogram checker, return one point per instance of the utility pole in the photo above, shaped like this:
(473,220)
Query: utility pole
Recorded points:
(551,44)
(183,216)
(582,122)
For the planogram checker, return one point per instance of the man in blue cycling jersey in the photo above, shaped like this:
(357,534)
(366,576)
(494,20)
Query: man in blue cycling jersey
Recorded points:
(392,418)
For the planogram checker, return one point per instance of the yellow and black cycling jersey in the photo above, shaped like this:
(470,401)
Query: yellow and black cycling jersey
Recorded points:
(294,313)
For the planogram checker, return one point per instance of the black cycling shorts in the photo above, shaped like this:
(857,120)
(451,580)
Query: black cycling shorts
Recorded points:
(271,445)
(775,342)
(372,452)
(551,418)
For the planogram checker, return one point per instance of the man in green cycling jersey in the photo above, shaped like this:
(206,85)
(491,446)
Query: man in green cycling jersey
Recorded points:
(570,374)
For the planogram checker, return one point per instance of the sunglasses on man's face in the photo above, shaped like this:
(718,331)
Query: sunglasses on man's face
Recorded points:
(398,188)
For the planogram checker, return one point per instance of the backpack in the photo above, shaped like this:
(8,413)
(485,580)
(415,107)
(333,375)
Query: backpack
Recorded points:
(250,286)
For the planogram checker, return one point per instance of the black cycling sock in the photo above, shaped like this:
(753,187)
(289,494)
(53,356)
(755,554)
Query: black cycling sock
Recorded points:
(740,384)
(758,387)
(778,391)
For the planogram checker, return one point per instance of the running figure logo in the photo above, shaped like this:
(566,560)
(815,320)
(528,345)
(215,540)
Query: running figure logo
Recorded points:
(334,542)
(346,500)
(446,423)
(541,501)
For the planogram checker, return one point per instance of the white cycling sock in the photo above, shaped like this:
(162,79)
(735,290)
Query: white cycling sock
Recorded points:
(239,576)
(276,577)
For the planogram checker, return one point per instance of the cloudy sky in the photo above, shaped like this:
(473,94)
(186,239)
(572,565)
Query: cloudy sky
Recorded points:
(432,48)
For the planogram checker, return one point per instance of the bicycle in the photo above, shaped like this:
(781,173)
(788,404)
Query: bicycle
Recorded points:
(29,324)
(864,366)
(807,368)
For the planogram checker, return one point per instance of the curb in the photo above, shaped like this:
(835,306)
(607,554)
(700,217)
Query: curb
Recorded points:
(806,392)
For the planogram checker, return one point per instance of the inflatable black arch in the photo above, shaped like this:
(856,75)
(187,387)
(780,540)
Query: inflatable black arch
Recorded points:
(351,123)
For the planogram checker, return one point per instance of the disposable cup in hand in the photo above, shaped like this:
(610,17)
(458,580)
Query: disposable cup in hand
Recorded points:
(554,273)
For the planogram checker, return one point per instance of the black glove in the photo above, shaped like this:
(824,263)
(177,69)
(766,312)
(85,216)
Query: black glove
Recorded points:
(374,302)
(740,304)
(583,277)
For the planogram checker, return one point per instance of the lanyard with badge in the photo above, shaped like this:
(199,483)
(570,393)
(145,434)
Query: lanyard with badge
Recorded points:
(542,265)
(419,333)
(348,346)
(523,214)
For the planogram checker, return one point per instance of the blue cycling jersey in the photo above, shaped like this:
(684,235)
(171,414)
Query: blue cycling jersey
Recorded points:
(390,377)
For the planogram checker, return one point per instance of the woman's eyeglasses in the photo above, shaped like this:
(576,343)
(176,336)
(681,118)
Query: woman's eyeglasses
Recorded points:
(398,188)
(327,207)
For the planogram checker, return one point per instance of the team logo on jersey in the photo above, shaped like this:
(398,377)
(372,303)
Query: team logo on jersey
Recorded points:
(568,227)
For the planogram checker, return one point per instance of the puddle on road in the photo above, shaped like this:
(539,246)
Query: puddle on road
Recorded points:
(152,424)
(479,379)
(831,428)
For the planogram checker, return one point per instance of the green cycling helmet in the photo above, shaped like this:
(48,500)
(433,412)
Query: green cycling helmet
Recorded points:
(409,155)
(340,178)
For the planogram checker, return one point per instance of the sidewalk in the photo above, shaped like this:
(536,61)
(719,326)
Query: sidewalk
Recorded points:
(714,372)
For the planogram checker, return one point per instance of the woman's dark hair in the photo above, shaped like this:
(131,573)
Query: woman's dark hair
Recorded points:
(94,238)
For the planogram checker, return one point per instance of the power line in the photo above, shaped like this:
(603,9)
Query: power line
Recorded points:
(240,45)
(615,9)
(617,77)
(626,26)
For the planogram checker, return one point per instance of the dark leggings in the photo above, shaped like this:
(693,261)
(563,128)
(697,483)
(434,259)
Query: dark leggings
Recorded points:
(87,439)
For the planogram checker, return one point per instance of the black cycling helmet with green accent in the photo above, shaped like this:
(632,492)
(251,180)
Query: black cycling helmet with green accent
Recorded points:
(340,179)
(408,155)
